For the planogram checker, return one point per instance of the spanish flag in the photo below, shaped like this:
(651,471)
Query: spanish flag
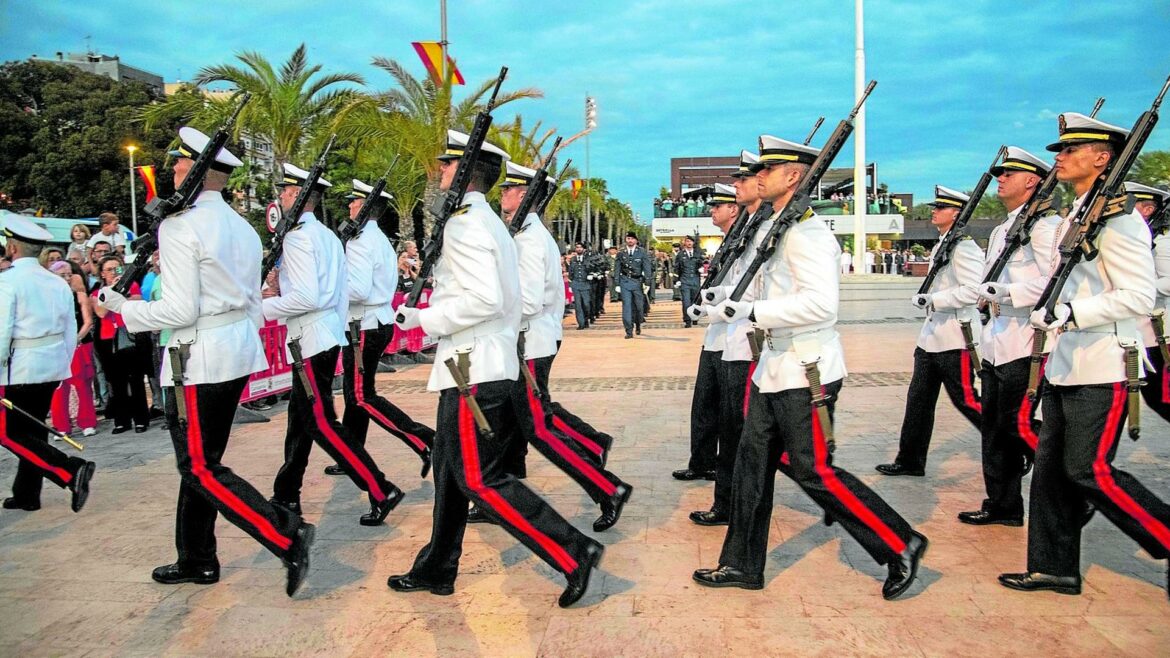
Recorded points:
(147,174)
(577,184)
(431,54)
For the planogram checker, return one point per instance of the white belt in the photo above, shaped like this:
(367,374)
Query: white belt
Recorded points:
(784,342)
(468,336)
(1014,311)
(205,322)
(359,311)
(297,323)
(26,343)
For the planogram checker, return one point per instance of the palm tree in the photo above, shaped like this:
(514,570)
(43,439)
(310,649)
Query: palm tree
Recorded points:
(291,108)
(411,120)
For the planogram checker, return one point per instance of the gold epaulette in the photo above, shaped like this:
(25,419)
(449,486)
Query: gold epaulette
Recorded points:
(461,209)
(808,214)
(1118,205)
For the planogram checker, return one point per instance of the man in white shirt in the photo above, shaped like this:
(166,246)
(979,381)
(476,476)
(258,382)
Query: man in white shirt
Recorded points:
(941,359)
(110,233)
(312,303)
(373,279)
(1085,402)
(38,334)
(211,305)
(1153,205)
(476,313)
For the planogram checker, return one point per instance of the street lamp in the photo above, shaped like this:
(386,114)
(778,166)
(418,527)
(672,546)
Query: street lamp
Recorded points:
(133,203)
(590,124)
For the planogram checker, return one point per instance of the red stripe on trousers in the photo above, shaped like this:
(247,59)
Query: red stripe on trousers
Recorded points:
(589,445)
(341,447)
(747,388)
(1103,472)
(843,494)
(491,497)
(215,487)
(969,384)
(25,453)
(369,408)
(1166,382)
(1024,418)
(559,446)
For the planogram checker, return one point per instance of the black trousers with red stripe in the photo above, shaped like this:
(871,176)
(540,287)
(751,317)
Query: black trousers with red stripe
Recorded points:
(1156,392)
(1009,432)
(362,402)
(705,412)
(784,422)
(733,402)
(316,422)
(28,441)
(469,468)
(593,441)
(207,488)
(535,425)
(950,370)
(1074,463)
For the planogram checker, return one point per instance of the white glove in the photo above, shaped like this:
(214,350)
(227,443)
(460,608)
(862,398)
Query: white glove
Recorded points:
(678,285)
(733,310)
(920,301)
(714,295)
(407,318)
(696,311)
(994,292)
(110,299)
(1039,318)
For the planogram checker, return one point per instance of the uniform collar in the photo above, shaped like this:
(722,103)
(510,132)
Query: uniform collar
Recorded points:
(207,196)
(308,217)
(26,261)
(472,196)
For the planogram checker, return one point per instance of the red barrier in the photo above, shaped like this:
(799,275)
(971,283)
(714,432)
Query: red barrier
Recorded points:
(278,377)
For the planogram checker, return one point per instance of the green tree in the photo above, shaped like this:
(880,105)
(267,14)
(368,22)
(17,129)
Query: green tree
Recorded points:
(990,207)
(63,134)
(1152,168)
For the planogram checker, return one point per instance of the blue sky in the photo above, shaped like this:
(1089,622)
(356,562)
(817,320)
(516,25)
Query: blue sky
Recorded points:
(694,78)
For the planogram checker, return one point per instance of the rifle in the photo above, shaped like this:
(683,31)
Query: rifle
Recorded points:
(950,241)
(801,199)
(159,208)
(552,186)
(536,188)
(1100,202)
(448,202)
(743,239)
(353,228)
(1038,205)
(292,218)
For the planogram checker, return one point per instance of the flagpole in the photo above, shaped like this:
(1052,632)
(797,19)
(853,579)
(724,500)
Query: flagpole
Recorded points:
(443,41)
(859,187)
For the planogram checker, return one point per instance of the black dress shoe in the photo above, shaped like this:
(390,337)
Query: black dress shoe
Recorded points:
(426,467)
(611,508)
(710,517)
(1034,581)
(174,574)
(297,560)
(628,336)
(582,327)
(139,429)
(334,469)
(79,485)
(728,577)
(579,579)
(904,569)
(409,583)
(118,429)
(293,506)
(691,474)
(638,329)
(26,505)
(378,511)
(985,517)
(899,469)
(477,515)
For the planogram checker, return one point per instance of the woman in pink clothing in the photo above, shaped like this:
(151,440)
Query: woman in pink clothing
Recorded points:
(82,368)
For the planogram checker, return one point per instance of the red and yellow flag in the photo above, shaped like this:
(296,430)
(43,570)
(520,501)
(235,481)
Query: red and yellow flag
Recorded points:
(577,184)
(147,174)
(431,54)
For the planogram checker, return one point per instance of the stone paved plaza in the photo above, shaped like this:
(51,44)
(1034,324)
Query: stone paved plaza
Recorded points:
(79,584)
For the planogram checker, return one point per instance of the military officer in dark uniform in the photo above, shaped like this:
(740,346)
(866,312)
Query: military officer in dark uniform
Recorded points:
(597,270)
(633,270)
(670,278)
(687,264)
(581,284)
(650,284)
(611,274)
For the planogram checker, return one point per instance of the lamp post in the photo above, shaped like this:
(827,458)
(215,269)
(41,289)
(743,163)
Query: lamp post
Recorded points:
(133,203)
(590,124)
(860,203)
